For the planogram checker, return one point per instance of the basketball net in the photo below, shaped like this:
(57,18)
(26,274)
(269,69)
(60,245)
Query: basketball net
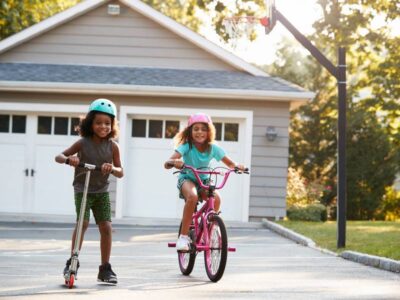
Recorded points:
(241,26)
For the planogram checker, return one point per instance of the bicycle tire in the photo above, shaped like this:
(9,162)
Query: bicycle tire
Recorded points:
(215,258)
(186,260)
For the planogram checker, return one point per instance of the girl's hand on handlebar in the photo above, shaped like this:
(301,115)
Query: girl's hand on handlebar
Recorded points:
(241,169)
(175,163)
(73,161)
(106,168)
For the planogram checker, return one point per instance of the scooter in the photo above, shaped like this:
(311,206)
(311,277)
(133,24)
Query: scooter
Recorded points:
(70,276)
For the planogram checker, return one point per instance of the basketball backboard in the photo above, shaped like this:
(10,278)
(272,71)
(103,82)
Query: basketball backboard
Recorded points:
(271,18)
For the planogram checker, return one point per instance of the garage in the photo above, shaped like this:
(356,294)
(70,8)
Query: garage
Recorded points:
(30,136)
(149,189)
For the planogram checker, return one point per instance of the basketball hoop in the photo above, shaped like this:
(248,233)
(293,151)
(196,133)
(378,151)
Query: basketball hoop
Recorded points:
(238,26)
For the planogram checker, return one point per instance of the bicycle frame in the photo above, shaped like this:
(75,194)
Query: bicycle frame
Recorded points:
(207,209)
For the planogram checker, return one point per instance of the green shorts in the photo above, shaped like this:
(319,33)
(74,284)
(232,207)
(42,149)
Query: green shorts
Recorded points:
(99,203)
(198,187)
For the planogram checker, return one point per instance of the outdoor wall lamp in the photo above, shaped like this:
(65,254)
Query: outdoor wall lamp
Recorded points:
(271,133)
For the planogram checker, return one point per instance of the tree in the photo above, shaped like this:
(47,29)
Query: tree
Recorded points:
(372,120)
(16,15)
(370,168)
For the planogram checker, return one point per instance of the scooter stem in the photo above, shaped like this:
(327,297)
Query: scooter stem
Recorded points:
(81,216)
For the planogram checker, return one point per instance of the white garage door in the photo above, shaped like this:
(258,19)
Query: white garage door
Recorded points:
(31,181)
(150,189)
(14,156)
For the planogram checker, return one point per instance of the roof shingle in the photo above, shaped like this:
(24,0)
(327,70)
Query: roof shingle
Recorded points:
(52,73)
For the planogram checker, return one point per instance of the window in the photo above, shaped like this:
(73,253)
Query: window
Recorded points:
(15,123)
(18,124)
(227,132)
(171,129)
(57,125)
(218,131)
(138,128)
(44,125)
(74,126)
(4,123)
(156,129)
(61,126)
(231,132)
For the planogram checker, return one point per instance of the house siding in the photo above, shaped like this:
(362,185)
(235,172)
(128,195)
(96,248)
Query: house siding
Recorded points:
(269,159)
(129,39)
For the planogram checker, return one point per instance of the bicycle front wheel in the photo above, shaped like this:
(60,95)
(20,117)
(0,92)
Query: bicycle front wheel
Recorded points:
(215,258)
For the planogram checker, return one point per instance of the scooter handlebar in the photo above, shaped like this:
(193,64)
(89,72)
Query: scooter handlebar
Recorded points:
(85,165)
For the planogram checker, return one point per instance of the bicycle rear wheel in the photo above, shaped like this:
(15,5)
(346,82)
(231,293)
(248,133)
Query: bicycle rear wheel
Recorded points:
(187,259)
(215,258)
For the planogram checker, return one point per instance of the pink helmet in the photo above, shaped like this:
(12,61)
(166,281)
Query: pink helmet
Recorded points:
(199,118)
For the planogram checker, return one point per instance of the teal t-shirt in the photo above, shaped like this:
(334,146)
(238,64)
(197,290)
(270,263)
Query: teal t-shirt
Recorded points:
(193,157)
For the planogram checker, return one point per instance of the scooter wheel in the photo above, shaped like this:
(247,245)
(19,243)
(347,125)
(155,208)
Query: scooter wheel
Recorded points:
(71,281)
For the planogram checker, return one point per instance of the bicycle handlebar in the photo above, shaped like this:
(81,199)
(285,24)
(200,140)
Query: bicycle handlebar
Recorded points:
(226,174)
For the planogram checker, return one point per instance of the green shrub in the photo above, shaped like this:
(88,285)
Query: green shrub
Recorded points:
(389,209)
(312,212)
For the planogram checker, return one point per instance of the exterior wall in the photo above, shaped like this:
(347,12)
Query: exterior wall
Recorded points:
(129,39)
(269,159)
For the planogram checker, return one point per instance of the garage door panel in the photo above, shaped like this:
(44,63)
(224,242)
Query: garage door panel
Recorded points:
(152,189)
(13,180)
(53,183)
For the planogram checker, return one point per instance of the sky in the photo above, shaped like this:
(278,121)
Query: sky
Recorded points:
(301,13)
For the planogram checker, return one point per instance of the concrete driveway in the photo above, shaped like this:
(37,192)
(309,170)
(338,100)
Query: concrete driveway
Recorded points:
(265,266)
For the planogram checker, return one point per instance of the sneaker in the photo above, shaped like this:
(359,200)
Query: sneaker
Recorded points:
(183,243)
(106,274)
(67,265)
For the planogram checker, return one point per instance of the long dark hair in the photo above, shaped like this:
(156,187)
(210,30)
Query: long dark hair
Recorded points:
(85,127)
(185,136)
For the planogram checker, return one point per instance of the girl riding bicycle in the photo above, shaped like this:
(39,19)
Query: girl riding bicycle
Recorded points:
(96,147)
(195,145)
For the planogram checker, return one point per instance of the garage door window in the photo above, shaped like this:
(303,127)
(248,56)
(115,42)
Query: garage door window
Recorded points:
(171,129)
(16,123)
(138,128)
(227,132)
(156,129)
(57,125)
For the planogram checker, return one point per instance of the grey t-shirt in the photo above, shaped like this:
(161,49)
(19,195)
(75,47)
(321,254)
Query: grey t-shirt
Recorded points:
(95,154)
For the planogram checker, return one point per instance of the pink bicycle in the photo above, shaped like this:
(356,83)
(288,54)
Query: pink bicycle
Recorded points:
(207,231)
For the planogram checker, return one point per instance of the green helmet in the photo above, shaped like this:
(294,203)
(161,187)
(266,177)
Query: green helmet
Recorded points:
(104,106)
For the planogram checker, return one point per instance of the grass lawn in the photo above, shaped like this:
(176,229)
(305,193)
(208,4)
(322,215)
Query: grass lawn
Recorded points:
(371,237)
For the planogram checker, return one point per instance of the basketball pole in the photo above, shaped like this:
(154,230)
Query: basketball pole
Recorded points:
(339,73)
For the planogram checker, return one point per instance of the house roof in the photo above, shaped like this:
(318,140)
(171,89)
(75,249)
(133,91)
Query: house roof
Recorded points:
(149,81)
(140,7)
(248,83)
